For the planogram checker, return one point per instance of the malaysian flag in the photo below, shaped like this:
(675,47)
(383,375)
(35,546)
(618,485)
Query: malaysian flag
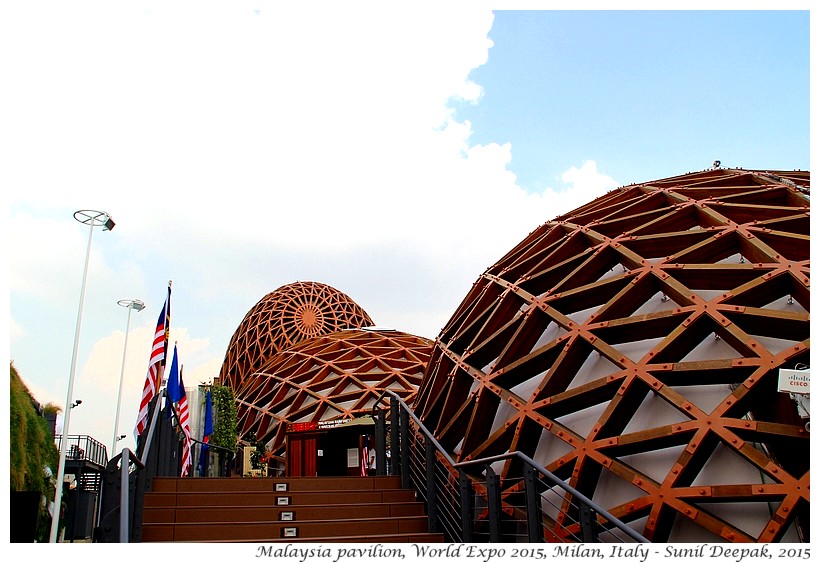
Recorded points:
(156,365)
(176,394)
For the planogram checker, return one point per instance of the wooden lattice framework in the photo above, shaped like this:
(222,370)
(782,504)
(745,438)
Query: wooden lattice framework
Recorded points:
(632,347)
(333,377)
(283,318)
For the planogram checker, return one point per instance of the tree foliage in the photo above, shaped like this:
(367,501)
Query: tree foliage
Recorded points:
(225,421)
(31,444)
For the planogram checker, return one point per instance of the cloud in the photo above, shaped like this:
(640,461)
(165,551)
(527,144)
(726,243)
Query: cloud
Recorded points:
(584,184)
(239,152)
(42,245)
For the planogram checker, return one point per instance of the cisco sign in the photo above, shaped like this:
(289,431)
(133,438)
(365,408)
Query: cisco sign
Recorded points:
(794,381)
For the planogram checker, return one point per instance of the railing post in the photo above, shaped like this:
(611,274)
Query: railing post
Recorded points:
(395,467)
(137,504)
(381,444)
(587,518)
(430,475)
(125,529)
(533,509)
(405,449)
(466,493)
(494,505)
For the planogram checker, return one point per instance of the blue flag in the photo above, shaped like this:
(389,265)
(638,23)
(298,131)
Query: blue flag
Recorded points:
(172,388)
(207,430)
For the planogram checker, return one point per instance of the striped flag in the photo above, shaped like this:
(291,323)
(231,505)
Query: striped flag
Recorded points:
(176,394)
(156,365)
(365,455)
(186,429)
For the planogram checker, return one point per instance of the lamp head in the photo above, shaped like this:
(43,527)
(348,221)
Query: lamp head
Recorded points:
(135,304)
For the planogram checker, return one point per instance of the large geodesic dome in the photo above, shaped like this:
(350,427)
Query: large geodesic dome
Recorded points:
(283,318)
(339,376)
(633,347)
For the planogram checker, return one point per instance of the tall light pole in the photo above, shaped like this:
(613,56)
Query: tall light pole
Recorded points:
(131,305)
(92,219)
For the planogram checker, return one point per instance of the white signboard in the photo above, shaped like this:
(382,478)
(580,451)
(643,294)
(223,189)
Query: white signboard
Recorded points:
(352,457)
(794,381)
(333,423)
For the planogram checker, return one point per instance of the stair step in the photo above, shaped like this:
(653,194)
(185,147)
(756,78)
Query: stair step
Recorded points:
(318,509)
(273,530)
(251,498)
(300,512)
(424,537)
(226,484)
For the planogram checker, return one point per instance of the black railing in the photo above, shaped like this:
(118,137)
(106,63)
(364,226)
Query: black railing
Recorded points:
(128,475)
(468,502)
(83,448)
(86,459)
(159,453)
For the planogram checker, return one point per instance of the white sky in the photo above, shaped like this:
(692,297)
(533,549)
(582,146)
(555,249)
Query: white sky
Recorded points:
(240,147)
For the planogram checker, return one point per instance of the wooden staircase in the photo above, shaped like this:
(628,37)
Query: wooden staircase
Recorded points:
(294,509)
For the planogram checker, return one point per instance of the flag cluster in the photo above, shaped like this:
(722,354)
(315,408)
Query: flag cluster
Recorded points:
(175,388)
(156,365)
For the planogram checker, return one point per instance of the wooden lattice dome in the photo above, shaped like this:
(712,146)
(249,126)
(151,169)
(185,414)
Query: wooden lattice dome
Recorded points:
(332,377)
(283,318)
(633,348)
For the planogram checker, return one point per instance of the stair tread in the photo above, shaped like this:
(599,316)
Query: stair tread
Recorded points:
(285,522)
(433,537)
(279,507)
(180,484)
(256,492)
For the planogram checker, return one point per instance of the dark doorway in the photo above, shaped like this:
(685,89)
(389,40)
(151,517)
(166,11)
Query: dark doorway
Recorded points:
(335,450)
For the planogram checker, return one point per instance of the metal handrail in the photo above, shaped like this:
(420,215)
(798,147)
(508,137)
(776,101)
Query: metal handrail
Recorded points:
(558,482)
(140,462)
(459,466)
(418,421)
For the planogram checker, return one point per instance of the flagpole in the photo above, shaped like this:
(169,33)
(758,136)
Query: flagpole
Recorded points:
(92,219)
(167,334)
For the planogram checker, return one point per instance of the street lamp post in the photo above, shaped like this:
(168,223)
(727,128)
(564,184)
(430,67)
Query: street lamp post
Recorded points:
(92,219)
(131,305)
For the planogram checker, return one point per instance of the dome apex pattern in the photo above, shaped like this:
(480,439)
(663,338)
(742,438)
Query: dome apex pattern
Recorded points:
(283,318)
